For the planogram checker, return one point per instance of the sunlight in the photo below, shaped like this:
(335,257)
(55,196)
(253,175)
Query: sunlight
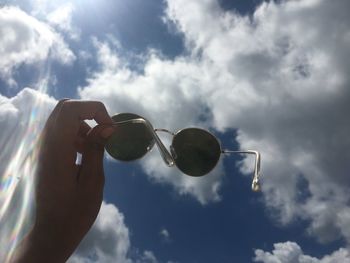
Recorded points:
(17,182)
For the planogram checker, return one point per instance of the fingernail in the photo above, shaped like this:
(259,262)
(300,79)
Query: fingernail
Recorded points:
(107,132)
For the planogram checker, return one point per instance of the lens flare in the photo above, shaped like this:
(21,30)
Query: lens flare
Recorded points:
(18,180)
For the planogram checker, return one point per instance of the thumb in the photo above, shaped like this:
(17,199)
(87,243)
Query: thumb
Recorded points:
(91,171)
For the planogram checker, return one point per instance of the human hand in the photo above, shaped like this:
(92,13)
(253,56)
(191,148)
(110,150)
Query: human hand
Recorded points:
(68,196)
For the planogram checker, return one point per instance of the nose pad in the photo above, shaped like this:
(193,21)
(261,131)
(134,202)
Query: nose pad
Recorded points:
(173,153)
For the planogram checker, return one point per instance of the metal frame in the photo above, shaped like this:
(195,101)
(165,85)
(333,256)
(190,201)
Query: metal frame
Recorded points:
(169,160)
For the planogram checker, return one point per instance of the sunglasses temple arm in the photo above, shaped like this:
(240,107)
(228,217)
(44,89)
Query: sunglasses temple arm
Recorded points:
(168,159)
(255,182)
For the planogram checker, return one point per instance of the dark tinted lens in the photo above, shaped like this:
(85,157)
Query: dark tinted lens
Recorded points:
(196,151)
(131,141)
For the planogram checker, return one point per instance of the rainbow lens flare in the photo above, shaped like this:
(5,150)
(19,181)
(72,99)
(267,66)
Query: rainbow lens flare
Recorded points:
(18,178)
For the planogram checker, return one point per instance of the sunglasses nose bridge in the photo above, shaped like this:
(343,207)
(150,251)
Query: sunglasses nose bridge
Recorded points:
(172,151)
(166,156)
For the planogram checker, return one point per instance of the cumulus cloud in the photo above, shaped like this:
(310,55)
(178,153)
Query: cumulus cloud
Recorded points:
(280,77)
(290,252)
(107,241)
(61,18)
(26,40)
(147,257)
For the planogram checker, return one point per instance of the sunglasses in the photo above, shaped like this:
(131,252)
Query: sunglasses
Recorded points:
(194,151)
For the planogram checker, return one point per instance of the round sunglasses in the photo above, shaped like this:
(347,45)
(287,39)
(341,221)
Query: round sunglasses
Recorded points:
(194,151)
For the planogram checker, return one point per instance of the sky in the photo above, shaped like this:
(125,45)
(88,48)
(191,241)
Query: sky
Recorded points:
(272,76)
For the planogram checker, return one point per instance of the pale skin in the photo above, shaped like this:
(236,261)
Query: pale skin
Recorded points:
(68,196)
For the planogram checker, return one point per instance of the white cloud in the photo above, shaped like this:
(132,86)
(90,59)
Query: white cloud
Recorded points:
(164,232)
(40,6)
(281,77)
(147,257)
(26,40)
(107,241)
(61,18)
(165,235)
(290,252)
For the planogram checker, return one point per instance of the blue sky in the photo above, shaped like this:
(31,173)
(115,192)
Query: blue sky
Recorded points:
(270,76)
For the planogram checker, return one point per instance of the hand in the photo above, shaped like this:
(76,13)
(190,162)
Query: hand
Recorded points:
(68,196)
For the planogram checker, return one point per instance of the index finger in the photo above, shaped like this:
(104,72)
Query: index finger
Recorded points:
(73,112)
(78,110)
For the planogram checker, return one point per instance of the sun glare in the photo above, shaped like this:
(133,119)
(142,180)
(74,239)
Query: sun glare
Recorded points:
(17,182)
